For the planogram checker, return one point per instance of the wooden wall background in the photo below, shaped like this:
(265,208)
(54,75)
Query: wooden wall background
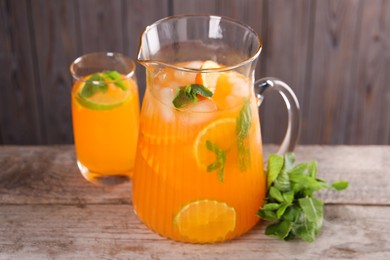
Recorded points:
(335,55)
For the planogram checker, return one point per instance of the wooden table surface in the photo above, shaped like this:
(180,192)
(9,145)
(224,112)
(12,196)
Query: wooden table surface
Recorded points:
(47,210)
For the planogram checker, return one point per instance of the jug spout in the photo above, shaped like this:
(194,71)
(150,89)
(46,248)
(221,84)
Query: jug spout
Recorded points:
(149,47)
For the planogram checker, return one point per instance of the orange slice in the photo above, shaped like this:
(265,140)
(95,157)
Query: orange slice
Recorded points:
(221,132)
(205,221)
(208,79)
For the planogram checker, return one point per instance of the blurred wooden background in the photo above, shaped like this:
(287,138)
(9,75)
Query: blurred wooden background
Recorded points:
(335,55)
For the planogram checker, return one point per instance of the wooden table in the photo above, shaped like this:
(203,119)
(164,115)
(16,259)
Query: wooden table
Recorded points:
(47,210)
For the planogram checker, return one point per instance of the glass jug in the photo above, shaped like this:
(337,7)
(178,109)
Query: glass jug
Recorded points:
(199,173)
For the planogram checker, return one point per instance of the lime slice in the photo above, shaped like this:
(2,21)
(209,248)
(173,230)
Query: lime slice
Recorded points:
(222,133)
(112,97)
(205,221)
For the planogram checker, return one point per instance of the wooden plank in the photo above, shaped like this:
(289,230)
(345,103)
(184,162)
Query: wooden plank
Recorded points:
(136,16)
(331,83)
(39,175)
(101,25)
(241,10)
(250,12)
(285,53)
(369,100)
(365,167)
(113,231)
(19,99)
(56,48)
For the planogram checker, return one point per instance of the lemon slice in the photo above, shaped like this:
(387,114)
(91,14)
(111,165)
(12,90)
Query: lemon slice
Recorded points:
(208,79)
(113,97)
(205,221)
(221,132)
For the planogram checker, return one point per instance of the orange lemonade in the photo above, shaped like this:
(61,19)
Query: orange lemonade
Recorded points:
(105,112)
(199,168)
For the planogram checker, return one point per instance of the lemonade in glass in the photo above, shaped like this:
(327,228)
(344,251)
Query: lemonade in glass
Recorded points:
(105,111)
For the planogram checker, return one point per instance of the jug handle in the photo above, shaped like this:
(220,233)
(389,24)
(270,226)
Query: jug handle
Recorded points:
(268,84)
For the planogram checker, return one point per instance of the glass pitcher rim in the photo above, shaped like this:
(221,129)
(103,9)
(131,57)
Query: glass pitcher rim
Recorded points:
(77,77)
(187,69)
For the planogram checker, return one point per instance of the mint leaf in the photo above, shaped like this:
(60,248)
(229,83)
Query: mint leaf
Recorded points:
(292,213)
(92,85)
(289,160)
(313,169)
(282,182)
(188,94)
(244,121)
(303,228)
(340,185)
(97,82)
(281,210)
(243,124)
(279,230)
(288,196)
(268,215)
(299,169)
(116,77)
(313,209)
(290,202)
(219,163)
(275,165)
(276,194)
(271,206)
(244,157)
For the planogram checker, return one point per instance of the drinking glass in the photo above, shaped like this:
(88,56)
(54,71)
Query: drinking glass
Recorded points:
(105,113)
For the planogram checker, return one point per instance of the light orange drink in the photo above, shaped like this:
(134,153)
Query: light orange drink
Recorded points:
(199,168)
(105,123)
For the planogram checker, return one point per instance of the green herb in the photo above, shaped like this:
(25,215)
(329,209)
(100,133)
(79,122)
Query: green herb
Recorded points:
(219,164)
(97,82)
(93,84)
(189,94)
(290,203)
(242,128)
(116,77)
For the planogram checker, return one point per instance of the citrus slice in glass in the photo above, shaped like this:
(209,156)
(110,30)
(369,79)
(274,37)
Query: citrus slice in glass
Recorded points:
(222,133)
(109,99)
(205,221)
(208,79)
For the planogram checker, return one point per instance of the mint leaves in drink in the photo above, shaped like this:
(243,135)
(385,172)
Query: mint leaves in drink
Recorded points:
(219,163)
(243,125)
(290,203)
(97,82)
(189,94)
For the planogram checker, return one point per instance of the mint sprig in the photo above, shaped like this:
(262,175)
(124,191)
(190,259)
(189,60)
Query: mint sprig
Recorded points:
(97,82)
(93,84)
(290,202)
(189,95)
(116,77)
(219,163)
(243,124)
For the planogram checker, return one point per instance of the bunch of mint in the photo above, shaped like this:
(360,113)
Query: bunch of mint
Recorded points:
(290,204)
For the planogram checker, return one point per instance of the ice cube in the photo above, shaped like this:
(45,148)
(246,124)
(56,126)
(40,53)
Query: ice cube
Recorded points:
(199,113)
(193,64)
(165,106)
(206,105)
(184,77)
(240,85)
